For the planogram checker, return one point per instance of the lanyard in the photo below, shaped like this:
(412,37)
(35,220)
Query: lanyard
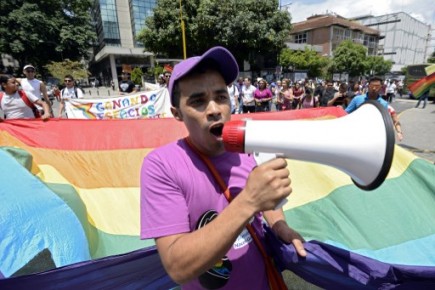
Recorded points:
(276,281)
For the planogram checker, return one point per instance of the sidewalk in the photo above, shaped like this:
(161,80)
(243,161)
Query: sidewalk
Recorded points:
(418,126)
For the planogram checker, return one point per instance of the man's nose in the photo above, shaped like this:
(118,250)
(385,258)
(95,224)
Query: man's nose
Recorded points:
(213,108)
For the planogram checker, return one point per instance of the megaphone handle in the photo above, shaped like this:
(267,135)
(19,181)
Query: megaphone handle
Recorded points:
(281,204)
(261,158)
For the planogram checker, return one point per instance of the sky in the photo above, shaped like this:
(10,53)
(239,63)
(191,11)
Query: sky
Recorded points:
(423,10)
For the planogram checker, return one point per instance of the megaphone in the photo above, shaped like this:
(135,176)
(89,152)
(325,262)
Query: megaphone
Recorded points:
(360,144)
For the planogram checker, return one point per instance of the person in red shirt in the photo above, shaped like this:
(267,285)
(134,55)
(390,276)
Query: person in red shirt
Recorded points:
(298,93)
(262,97)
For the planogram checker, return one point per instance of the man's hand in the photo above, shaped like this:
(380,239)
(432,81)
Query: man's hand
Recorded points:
(46,116)
(290,236)
(46,108)
(267,185)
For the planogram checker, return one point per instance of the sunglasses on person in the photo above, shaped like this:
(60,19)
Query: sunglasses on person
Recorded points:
(68,81)
(30,70)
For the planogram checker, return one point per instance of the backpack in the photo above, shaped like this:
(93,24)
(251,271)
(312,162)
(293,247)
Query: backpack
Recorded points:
(26,101)
(75,92)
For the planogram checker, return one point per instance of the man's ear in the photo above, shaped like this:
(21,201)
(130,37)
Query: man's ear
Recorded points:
(177,113)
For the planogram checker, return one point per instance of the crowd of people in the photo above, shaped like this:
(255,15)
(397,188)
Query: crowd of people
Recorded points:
(28,98)
(285,94)
(205,207)
(246,96)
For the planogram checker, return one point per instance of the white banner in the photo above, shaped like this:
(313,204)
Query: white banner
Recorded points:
(151,86)
(141,105)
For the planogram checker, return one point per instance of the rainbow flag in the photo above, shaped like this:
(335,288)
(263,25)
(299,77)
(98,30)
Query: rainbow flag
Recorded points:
(69,215)
(424,84)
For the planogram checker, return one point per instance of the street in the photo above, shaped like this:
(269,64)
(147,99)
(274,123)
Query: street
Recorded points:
(418,127)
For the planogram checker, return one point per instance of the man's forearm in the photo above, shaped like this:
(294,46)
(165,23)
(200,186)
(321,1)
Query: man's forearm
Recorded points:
(189,255)
(61,106)
(273,216)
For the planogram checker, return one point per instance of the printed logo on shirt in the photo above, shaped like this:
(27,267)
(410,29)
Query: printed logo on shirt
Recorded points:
(242,240)
(219,275)
(124,86)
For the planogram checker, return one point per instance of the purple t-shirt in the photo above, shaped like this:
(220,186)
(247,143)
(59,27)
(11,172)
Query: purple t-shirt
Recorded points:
(262,94)
(178,193)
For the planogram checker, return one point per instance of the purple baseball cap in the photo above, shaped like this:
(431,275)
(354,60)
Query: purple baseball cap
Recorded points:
(228,66)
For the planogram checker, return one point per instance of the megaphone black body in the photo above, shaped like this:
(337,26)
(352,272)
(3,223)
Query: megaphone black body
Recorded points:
(360,144)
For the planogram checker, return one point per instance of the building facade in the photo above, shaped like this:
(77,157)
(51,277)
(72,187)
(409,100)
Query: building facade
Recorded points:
(117,24)
(406,39)
(329,30)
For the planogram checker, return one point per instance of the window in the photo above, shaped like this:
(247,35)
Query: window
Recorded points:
(301,38)
(337,34)
(107,26)
(140,10)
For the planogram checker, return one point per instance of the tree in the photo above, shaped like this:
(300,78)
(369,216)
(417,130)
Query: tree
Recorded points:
(431,59)
(40,31)
(136,76)
(60,69)
(349,57)
(155,71)
(246,27)
(306,60)
(377,65)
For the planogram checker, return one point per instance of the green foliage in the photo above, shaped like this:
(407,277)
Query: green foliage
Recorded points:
(404,70)
(136,76)
(349,57)
(431,59)
(40,31)
(155,71)
(305,60)
(245,27)
(377,65)
(65,67)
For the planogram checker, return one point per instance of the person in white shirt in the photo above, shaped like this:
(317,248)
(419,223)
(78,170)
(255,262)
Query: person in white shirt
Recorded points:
(34,86)
(391,91)
(248,96)
(162,81)
(69,92)
(17,104)
(234,98)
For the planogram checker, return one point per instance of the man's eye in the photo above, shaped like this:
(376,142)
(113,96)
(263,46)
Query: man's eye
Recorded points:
(196,102)
(224,97)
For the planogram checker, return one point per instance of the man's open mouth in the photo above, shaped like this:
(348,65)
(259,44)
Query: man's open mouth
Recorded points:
(217,130)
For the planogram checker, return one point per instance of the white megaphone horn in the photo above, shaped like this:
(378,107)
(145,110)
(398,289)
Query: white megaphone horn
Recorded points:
(360,144)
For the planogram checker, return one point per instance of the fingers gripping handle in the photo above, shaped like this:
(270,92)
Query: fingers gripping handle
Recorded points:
(261,158)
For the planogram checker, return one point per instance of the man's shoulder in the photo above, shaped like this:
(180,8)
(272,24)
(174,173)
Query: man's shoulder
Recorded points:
(168,160)
(168,151)
(383,102)
(360,98)
(79,89)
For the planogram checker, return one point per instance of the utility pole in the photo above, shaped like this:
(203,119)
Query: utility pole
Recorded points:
(183,31)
